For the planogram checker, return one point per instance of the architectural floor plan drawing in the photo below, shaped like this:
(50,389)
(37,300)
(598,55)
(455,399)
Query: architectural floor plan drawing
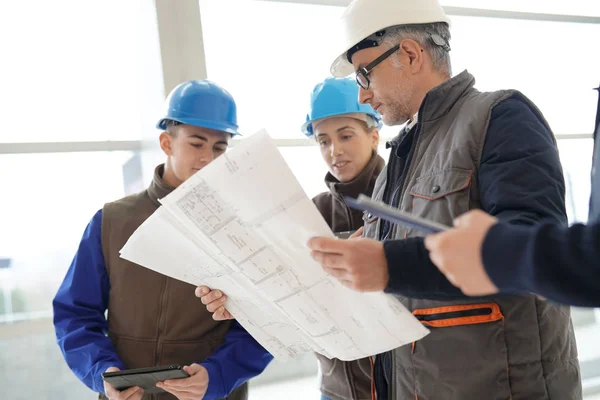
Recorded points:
(241,226)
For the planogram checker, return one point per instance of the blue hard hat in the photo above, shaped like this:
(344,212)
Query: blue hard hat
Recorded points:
(201,103)
(336,96)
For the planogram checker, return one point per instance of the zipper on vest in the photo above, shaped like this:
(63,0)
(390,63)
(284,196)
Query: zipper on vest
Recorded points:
(392,383)
(162,320)
(395,200)
(388,172)
(386,190)
(348,372)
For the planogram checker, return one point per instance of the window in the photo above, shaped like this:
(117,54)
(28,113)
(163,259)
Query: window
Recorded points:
(54,197)
(271,62)
(51,198)
(576,159)
(69,71)
(531,56)
(572,7)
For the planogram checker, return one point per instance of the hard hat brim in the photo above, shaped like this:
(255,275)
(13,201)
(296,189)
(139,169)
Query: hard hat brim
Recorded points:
(231,129)
(356,115)
(341,67)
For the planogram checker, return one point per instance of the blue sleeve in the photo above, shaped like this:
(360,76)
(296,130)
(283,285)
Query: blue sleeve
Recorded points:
(554,261)
(233,363)
(79,311)
(520,180)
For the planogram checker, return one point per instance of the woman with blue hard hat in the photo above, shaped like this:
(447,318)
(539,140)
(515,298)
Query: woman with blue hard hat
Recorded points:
(348,135)
(155,320)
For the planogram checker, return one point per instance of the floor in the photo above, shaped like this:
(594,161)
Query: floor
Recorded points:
(305,389)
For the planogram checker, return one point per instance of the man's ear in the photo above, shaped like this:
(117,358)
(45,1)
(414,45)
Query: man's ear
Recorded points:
(415,54)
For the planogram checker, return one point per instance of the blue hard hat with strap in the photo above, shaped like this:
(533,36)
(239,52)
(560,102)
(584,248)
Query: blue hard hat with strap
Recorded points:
(336,97)
(201,103)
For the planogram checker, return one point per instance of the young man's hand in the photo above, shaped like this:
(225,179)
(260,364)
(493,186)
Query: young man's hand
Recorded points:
(192,388)
(133,393)
(214,300)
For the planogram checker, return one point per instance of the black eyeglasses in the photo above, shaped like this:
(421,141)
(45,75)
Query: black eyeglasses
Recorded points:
(362,78)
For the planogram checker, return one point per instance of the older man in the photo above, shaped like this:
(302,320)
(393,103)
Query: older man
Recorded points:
(461,149)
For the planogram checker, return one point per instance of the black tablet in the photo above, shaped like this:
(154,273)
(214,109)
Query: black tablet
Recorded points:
(146,378)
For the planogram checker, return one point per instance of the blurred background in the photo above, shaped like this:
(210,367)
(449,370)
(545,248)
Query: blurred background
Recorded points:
(82,84)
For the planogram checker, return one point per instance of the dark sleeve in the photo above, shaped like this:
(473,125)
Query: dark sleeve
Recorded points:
(520,180)
(562,264)
(520,176)
(412,273)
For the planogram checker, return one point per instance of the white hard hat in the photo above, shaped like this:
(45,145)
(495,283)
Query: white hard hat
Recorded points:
(364,18)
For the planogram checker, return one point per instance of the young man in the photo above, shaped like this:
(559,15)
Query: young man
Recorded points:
(154,320)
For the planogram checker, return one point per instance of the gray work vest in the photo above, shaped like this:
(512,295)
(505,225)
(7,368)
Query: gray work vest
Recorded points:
(499,347)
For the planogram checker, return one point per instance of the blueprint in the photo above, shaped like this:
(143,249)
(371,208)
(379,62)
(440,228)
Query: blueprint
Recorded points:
(241,225)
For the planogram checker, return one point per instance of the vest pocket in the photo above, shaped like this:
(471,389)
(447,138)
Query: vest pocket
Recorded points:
(442,195)
(440,317)
(135,353)
(464,356)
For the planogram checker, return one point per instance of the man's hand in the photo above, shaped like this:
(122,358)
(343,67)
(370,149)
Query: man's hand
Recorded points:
(457,253)
(133,393)
(214,300)
(358,263)
(192,388)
